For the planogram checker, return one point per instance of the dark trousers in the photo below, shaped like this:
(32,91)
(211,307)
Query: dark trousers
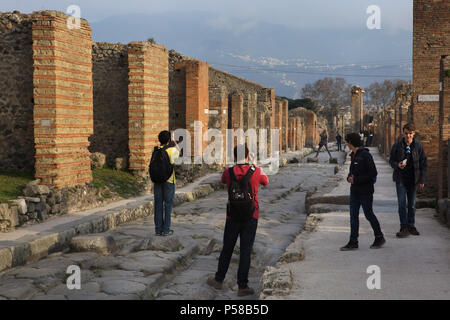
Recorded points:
(339,146)
(408,191)
(320,147)
(246,231)
(366,201)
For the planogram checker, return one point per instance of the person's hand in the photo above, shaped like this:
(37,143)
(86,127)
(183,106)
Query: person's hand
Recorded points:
(350,179)
(402,165)
(421,185)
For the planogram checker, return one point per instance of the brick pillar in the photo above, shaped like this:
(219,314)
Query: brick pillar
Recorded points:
(357,108)
(237,112)
(294,133)
(278,122)
(431,40)
(252,111)
(444,128)
(218,112)
(148,99)
(284,123)
(197,100)
(310,124)
(63,112)
(298,138)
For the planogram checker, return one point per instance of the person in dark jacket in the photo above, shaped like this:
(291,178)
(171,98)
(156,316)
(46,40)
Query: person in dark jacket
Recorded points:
(339,141)
(362,177)
(409,162)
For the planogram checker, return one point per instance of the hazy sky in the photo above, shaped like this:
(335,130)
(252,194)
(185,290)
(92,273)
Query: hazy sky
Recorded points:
(245,14)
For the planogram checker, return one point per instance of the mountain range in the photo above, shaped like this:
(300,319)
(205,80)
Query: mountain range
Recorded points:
(277,56)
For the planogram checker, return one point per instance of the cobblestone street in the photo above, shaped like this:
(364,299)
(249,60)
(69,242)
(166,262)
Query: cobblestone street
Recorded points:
(140,265)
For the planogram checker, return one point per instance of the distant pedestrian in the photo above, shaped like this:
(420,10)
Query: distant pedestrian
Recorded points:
(369,139)
(409,162)
(162,174)
(361,135)
(323,143)
(339,141)
(362,176)
(242,219)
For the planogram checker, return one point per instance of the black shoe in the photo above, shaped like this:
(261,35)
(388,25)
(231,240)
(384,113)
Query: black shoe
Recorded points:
(403,233)
(378,243)
(350,246)
(413,231)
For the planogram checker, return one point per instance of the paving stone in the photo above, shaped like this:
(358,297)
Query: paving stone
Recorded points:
(79,257)
(102,244)
(18,289)
(117,287)
(33,273)
(145,268)
(120,274)
(166,244)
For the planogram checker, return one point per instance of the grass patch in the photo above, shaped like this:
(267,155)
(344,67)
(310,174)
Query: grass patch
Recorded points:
(123,183)
(12,184)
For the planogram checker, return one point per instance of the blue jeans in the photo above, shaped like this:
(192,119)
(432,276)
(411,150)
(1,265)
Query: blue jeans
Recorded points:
(366,201)
(407,218)
(164,194)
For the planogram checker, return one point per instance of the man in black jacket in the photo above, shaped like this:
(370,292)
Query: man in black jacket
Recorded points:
(409,162)
(362,176)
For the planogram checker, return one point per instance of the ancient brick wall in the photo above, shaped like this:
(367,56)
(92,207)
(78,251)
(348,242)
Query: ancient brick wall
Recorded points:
(110,82)
(148,100)
(16,89)
(235,85)
(444,128)
(63,118)
(431,40)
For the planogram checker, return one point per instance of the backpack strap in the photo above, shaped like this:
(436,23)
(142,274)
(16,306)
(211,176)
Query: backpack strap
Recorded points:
(232,175)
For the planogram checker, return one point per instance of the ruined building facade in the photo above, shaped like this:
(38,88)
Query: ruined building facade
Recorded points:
(64,97)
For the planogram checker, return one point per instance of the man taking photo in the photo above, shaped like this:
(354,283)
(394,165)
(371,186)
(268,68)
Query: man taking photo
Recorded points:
(409,162)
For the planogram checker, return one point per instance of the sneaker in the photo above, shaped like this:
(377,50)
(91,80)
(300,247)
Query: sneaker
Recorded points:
(378,243)
(403,233)
(245,292)
(413,231)
(350,246)
(168,233)
(159,234)
(214,283)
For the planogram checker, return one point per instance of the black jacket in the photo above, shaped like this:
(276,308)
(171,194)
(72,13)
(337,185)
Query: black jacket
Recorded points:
(364,172)
(419,160)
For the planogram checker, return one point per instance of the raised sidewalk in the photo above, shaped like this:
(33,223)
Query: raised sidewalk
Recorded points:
(416,267)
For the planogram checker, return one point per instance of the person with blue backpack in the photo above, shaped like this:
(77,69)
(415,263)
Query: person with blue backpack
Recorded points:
(162,174)
(362,177)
